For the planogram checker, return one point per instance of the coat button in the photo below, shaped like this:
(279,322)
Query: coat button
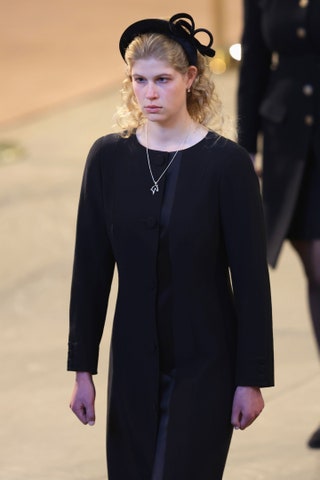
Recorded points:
(308,120)
(301,32)
(303,3)
(307,90)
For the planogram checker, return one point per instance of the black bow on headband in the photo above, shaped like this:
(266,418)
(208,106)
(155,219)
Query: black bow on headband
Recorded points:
(180,27)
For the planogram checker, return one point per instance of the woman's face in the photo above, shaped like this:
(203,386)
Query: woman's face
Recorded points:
(161,91)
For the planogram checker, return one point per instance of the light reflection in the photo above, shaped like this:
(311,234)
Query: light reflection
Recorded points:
(226,58)
(235,51)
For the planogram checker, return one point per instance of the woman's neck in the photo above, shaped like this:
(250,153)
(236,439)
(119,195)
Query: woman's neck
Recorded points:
(168,138)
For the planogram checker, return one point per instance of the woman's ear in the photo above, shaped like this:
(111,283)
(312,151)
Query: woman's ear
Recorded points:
(191,75)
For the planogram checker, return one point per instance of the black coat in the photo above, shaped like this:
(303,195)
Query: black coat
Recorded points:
(221,339)
(279,95)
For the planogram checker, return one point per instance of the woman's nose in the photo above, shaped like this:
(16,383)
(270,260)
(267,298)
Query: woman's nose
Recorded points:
(151,91)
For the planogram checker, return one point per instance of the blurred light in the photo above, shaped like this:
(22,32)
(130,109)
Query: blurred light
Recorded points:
(235,51)
(218,65)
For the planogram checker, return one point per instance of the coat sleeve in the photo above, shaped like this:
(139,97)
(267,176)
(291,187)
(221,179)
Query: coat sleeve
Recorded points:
(244,234)
(253,76)
(92,270)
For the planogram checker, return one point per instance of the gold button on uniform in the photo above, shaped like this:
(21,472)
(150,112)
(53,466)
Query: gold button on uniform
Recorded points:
(307,90)
(303,3)
(301,32)
(308,120)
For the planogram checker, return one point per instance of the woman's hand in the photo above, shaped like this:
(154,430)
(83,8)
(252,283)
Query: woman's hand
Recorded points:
(83,397)
(247,406)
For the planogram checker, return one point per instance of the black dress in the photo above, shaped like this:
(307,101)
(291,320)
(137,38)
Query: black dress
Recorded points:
(164,310)
(165,288)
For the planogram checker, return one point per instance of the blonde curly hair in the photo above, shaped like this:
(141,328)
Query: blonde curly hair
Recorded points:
(203,103)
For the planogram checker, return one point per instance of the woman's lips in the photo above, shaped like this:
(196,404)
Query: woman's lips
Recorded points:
(152,109)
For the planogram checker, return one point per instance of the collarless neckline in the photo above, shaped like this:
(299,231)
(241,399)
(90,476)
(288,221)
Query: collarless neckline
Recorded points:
(172,151)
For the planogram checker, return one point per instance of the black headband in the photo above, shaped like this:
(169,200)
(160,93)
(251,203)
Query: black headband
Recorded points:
(180,28)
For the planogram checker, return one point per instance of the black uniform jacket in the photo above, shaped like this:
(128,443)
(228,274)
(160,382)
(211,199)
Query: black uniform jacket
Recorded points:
(279,95)
(221,339)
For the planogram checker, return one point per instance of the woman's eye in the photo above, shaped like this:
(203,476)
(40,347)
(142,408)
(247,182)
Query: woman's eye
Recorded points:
(162,79)
(139,79)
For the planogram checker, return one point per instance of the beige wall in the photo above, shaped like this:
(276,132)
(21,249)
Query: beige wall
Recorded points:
(227,21)
(54,51)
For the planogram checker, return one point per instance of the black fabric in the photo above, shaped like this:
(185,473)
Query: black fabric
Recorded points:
(305,223)
(166,389)
(180,28)
(222,335)
(165,288)
(279,97)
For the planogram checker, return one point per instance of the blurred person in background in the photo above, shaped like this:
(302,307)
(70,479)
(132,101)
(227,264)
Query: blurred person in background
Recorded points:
(176,207)
(279,97)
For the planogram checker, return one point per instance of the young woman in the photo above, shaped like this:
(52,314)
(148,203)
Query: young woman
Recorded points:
(176,207)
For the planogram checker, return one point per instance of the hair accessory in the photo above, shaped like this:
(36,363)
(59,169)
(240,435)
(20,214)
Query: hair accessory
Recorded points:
(180,27)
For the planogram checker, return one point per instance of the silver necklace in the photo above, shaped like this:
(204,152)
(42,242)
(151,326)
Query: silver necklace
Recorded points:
(155,186)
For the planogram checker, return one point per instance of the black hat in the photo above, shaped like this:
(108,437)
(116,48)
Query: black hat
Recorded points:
(177,28)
